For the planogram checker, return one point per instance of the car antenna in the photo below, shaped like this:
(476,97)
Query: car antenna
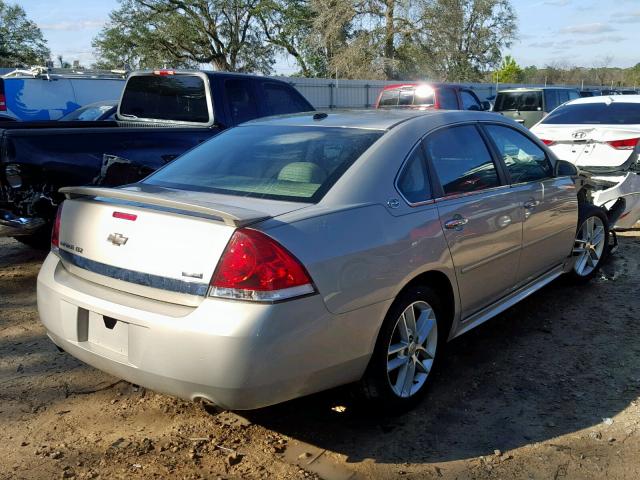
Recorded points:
(320,116)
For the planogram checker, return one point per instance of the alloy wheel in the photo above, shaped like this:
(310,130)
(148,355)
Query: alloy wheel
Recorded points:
(589,246)
(412,349)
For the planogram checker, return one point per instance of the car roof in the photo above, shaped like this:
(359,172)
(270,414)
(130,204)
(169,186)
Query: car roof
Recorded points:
(533,89)
(418,83)
(606,99)
(369,119)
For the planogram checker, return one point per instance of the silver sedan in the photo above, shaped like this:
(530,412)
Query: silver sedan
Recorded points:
(295,254)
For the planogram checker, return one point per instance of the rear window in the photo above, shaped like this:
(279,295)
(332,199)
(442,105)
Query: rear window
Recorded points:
(422,95)
(521,101)
(173,97)
(615,113)
(274,162)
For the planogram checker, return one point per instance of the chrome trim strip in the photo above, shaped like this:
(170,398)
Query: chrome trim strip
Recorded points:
(469,194)
(131,276)
(508,301)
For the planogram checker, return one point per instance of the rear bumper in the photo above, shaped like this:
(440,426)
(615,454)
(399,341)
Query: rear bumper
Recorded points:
(237,355)
(13,226)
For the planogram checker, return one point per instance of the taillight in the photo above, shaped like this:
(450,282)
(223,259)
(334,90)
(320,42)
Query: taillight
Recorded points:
(55,233)
(164,72)
(547,142)
(628,144)
(3,103)
(255,267)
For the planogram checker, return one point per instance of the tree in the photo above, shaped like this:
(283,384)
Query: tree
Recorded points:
(462,38)
(226,34)
(510,71)
(21,41)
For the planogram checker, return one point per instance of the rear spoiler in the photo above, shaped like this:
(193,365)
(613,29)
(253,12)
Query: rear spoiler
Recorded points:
(232,216)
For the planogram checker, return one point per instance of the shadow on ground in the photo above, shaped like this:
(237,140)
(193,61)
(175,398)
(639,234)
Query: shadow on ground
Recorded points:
(561,361)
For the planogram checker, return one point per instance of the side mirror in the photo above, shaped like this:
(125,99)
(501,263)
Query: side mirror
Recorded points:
(565,169)
(486,105)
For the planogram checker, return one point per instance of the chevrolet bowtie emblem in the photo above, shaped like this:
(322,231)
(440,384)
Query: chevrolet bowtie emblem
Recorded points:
(117,239)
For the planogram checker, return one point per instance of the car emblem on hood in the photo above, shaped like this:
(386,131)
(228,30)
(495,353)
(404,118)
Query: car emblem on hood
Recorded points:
(579,135)
(117,239)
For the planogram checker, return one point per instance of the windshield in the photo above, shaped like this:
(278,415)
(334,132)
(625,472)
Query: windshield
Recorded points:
(171,97)
(530,101)
(275,162)
(615,113)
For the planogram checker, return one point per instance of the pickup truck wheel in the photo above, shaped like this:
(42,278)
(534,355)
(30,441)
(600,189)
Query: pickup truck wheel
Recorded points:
(591,245)
(408,348)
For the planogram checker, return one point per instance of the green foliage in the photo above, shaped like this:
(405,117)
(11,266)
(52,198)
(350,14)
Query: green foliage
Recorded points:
(180,33)
(21,41)
(510,71)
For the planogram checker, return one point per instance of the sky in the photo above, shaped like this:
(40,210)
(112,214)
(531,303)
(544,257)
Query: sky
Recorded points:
(564,32)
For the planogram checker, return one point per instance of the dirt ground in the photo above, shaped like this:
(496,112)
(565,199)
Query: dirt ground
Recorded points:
(548,390)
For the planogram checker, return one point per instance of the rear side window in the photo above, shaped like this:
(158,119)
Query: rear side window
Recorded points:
(280,99)
(240,100)
(448,99)
(171,97)
(528,101)
(614,113)
(265,161)
(413,181)
(525,161)
(461,160)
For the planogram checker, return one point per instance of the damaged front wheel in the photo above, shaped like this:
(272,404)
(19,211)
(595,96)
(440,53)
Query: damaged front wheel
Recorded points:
(591,243)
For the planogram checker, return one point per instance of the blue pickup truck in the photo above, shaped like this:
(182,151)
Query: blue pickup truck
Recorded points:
(49,95)
(161,114)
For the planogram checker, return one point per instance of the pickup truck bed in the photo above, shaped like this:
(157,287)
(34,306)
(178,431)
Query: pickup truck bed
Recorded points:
(37,159)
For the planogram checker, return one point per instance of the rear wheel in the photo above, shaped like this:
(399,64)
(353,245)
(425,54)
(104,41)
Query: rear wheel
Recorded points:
(591,244)
(409,346)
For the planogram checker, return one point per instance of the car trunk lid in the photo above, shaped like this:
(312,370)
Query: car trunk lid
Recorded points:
(587,146)
(154,242)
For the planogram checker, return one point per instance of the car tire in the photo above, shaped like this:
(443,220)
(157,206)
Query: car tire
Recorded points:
(386,384)
(591,245)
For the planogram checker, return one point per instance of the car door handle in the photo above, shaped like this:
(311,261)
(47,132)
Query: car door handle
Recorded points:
(531,204)
(456,223)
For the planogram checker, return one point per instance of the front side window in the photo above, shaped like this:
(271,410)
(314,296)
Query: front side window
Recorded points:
(413,181)
(461,160)
(469,101)
(265,161)
(551,100)
(525,161)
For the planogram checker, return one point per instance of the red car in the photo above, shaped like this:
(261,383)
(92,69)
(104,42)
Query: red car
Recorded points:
(430,95)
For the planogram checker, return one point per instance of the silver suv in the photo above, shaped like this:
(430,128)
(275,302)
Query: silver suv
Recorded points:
(294,254)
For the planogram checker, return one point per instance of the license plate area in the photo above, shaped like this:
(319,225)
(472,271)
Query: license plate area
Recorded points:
(108,333)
